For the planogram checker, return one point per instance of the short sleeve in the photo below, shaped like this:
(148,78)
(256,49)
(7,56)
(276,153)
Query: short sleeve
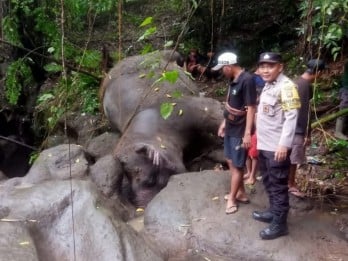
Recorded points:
(289,96)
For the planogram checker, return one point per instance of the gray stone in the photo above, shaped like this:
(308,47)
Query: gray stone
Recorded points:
(60,162)
(105,173)
(15,242)
(190,214)
(103,144)
(60,230)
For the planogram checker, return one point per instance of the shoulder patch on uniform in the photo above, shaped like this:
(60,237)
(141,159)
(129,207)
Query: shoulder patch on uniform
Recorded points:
(289,96)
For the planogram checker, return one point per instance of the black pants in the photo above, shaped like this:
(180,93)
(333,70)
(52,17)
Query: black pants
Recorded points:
(275,179)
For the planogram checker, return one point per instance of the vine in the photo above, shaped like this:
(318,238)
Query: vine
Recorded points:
(323,21)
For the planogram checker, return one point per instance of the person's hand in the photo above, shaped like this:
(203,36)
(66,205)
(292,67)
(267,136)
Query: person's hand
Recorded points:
(221,131)
(281,153)
(246,141)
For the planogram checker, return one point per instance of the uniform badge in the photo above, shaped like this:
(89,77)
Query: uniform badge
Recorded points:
(289,97)
(266,109)
(234,92)
(266,56)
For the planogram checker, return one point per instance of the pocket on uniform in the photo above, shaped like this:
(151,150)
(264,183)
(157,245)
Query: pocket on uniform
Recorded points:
(280,168)
(268,105)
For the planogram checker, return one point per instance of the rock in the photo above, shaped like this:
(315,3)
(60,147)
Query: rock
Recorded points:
(80,128)
(16,242)
(60,162)
(105,173)
(102,145)
(189,213)
(59,230)
(2,175)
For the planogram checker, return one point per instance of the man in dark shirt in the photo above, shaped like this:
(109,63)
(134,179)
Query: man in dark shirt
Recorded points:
(341,122)
(303,129)
(237,126)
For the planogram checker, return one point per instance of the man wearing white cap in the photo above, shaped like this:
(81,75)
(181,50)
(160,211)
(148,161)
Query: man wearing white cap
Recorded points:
(236,128)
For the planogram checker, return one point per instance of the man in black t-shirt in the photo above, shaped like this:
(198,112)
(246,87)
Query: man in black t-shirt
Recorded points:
(303,128)
(237,125)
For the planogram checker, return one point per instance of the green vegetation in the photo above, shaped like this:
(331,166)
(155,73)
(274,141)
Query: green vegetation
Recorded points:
(324,24)
(68,52)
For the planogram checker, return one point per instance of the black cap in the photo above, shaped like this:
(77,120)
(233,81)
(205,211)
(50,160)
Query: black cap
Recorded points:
(270,57)
(315,65)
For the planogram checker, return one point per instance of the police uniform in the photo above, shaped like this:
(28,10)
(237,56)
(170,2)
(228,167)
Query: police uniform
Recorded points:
(276,124)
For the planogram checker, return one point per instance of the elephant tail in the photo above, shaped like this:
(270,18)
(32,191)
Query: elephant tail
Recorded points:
(101,92)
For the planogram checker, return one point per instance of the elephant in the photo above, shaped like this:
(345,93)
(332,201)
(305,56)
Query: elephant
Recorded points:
(151,148)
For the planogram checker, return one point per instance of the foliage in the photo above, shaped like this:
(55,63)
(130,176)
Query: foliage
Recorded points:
(295,65)
(36,25)
(218,25)
(220,91)
(325,24)
(18,77)
(339,162)
(33,156)
(79,92)
(166,109)
(150,29)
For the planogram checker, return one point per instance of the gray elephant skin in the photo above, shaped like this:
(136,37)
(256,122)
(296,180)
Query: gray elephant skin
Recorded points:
(151,148)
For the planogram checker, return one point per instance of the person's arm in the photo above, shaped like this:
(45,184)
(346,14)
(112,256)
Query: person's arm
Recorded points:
(287,136)
(290,103)
(248,127)
(250,101)
(221,130)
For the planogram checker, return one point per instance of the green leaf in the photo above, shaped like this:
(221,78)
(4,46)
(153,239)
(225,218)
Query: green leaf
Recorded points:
(171,76)
(45,97)
(147,33)
(147,49)
(166,110)
(177,94)
(148,20)
(90,59)
(169,44)
(53,67)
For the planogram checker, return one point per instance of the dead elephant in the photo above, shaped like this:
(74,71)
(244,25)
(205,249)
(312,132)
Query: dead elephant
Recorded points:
(151,148)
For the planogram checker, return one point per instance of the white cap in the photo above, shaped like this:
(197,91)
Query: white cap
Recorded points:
(225,59)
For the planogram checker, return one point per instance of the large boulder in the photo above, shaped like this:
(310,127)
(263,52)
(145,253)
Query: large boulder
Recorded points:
(65,220)
(189,215)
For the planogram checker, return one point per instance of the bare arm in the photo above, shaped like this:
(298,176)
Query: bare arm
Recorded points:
(248,127)
(221,131)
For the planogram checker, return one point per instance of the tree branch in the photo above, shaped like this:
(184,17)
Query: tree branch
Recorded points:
(330,117)
(71,67)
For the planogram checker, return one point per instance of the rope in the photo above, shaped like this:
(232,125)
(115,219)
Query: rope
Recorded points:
(64,74)
(119,30)
(18,142)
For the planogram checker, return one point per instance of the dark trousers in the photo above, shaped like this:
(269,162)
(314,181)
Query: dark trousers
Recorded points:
(275,179)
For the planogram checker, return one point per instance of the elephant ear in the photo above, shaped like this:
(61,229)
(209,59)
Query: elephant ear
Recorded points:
(155,155)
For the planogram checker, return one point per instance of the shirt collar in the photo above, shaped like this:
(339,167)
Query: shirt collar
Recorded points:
(278,79)
(236,80)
